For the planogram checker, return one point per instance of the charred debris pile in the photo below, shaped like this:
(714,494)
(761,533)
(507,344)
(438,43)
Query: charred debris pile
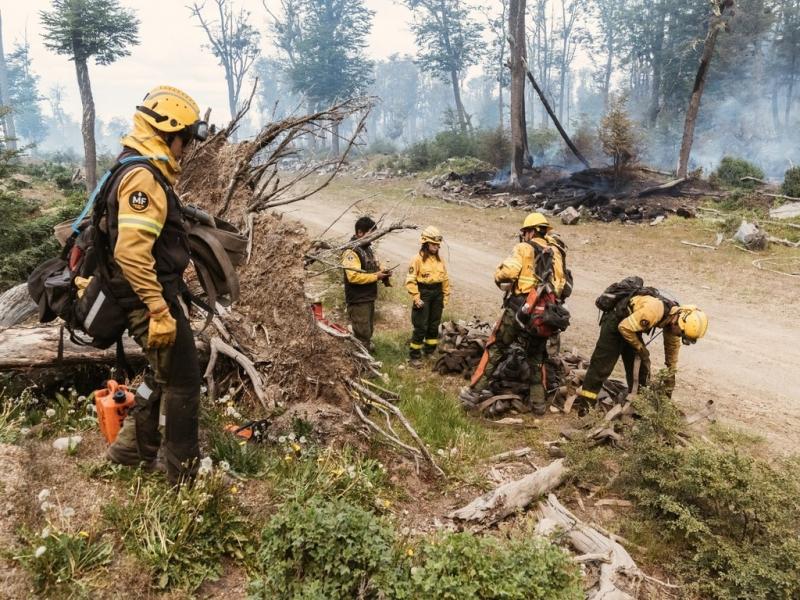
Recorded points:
(640,195)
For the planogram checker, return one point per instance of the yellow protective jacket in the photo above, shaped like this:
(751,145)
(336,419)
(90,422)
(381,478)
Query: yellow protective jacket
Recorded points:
(647,312)
(427,270)
(142,212)
(519,268)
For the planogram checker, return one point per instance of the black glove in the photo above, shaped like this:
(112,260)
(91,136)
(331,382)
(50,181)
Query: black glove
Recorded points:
(644,356)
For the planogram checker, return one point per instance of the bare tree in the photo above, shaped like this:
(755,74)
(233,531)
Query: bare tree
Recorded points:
(721,13)
(234,41)
(517,62)
(10,134)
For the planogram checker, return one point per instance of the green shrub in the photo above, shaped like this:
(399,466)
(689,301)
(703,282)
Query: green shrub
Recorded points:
(243,458)
(182,536)
(381,146)
(542,142)
(463,565)
(322,549)
(791,182)
(732,520)
(62,562)
(493,146)
(731,170)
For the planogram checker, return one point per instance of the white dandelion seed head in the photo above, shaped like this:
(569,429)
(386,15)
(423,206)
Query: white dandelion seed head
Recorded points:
(39,551)
(44,495)
(50,412)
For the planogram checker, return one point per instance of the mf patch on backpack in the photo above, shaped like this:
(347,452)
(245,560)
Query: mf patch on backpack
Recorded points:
(138,201)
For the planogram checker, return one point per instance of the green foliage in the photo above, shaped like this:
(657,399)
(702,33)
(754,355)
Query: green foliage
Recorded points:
(23,93)
(182,536)
(463,565)
(11,416)
(731,170)
(243,458)
(334,550)
(486,147)
(618,137)
(541,143)
(791,182)
(299,473)
(732,520)
(325,41)
(26,235)
(322,549)
(65,413)
(381,146)
(82,29)
(61,562)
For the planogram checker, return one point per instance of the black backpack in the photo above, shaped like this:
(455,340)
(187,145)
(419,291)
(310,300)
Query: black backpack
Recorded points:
(97,312)
(615,297)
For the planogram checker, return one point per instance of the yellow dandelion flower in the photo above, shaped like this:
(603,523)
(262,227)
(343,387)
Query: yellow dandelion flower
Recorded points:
(296,447)
(409,552)
(288,458)
(234,489)
(83,534)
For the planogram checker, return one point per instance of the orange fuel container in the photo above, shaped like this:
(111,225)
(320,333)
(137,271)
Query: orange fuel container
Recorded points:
(112,403)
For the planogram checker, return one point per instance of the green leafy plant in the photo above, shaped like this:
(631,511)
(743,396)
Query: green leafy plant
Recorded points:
(65,412)
(732,521)
(299,474)
(791,182)
(731,171)
(182,536)
(463,565)
(322,549)
(61,561)
(243,458)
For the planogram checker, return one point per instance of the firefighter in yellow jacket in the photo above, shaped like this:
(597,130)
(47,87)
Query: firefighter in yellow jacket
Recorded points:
(428,285)
(148,253)
(518,275)
(621,334)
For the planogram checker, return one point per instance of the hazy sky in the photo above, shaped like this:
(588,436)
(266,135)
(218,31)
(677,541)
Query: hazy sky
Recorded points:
(170,53)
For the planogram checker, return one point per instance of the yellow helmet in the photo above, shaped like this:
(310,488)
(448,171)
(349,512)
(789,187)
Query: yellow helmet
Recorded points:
(535,219)
(171,110)
(430,234)
(693,323)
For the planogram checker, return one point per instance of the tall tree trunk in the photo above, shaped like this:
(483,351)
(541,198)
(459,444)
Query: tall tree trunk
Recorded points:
(460,112)
(776,121)
(516,38)
(790,92)
(87,123)
(5,98)
(232,100)
(658,59)
(335,140)
(607,77)
(715,26)
(500,108)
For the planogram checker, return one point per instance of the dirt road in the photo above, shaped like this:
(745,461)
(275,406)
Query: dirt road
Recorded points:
(749,363)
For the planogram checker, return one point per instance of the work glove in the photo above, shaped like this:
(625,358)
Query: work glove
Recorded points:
(81,284)
(162,330)
(419,303)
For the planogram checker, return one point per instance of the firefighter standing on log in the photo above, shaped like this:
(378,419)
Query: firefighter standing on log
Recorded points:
(362,273)
(518,274)
(627,315)
(428,285)
(149,252)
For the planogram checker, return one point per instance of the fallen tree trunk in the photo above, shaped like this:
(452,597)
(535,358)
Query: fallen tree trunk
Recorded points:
(618,571)
(556,122)
(25,348)
(513,496)
(16,306)
(664,187)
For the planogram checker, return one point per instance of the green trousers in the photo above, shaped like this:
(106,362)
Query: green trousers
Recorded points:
(167,402)
(507,334)
(610,346)
(426,320)
(362,319)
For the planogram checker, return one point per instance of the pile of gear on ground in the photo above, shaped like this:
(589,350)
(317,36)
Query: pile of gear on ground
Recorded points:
(461,345)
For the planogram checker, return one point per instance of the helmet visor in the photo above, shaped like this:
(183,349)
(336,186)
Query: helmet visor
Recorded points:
(199,130)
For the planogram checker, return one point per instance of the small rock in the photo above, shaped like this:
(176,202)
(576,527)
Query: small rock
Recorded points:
(569,216)
(658,220)
(686,212)
(67,443)
(751,236)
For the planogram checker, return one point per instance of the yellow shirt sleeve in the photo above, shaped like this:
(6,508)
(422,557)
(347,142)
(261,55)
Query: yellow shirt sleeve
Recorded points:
(351,261)
(510,268)
(647,313)
(142,212)
(446,284)
(672,348)
(411,278)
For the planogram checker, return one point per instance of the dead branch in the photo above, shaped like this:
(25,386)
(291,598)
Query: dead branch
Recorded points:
(664,187)
(371,237)
(220,347)
(706,246)
(375,398)
(513,496)
(616,575)
(754,180)
(503,456)
(783,242)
